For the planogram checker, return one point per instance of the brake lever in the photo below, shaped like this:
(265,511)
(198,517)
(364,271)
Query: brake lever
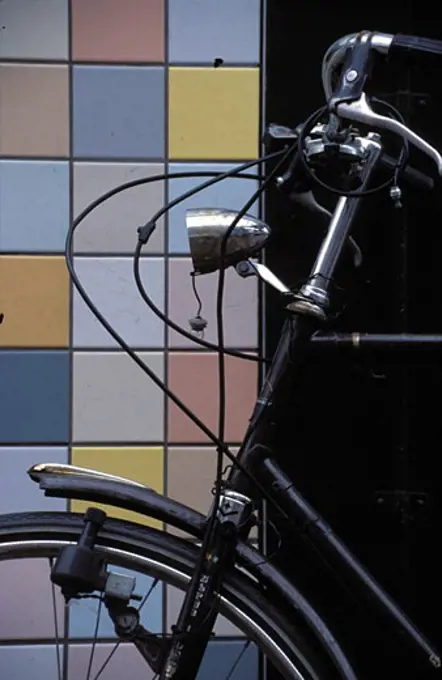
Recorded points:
(361,112)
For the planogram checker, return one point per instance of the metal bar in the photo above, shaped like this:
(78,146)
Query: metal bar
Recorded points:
(357,340)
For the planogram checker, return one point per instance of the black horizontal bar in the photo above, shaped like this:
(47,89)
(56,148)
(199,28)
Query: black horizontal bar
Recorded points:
(357,340)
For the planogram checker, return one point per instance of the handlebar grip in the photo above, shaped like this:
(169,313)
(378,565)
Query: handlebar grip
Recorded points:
(415,44)
(410,174)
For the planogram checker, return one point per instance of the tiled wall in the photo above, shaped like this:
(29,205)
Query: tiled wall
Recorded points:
(94,93)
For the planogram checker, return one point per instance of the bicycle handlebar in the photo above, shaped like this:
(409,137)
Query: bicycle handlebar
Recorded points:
(349,100)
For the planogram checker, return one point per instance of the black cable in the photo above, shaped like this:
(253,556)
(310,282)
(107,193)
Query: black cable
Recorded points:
(69,256)
(219,299)
(306,129)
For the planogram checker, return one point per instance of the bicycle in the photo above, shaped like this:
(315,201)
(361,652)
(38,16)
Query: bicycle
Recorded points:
(220,572)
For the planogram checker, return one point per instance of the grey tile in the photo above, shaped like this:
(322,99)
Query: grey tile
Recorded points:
(240,305)
(18,493)
(230,193)
(112,227)
(34,206)
(26,596)
(118,112)
(34,397)
(201,31)
(29,662)
(34,30)
(127,662)
(110,283)
(114,401)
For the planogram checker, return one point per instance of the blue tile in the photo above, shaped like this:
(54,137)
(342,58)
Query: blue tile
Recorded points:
(34,397)
(118,112)
(221,657)
(17,660)
(18,493)
(230,193)
(201,31)
(83,613)
(34,206)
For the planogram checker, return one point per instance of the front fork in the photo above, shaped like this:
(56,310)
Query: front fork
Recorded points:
(308,310)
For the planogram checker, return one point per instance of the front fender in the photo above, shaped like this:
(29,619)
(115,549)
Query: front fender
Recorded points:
(69,481)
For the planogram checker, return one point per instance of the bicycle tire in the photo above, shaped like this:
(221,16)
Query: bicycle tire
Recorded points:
(242,602)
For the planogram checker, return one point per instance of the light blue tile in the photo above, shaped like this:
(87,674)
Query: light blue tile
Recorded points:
(29,662)
(118,112)
(202,30)
(18,493)
(34,206)
(221,656)
(83,613)
(231,193)
(126,662)
(34,397)
(36,29)
(110,283)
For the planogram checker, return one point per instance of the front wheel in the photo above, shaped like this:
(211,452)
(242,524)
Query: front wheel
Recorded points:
(41,636)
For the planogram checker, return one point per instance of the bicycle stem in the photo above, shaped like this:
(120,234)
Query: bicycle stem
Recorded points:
(308,310)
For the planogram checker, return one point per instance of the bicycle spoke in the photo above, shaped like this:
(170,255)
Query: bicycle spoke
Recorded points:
(94,644)
(118,643)
(235,665)
(57,637)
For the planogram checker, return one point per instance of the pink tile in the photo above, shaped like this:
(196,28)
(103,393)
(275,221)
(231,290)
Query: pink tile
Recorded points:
(193,376)
(112,30)
(240,305)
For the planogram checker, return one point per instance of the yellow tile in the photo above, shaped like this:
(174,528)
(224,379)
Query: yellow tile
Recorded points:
(34,297)
(141,464)
(214,113)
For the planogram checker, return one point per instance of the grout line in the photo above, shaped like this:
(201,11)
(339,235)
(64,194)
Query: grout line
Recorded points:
(65,661)
(35,61)
(131,160)
(166,288)
(114,444)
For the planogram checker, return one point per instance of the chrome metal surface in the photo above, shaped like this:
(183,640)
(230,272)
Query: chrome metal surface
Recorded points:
(175,577)
(361,112)
(62,469)
(206,228)
(269,277)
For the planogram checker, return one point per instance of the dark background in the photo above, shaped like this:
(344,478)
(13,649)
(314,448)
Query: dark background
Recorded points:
(375,428)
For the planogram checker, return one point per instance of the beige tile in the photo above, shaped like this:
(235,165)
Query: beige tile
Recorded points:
(111,30)
(34,297)
(193,376)
(240,309)
(34,110)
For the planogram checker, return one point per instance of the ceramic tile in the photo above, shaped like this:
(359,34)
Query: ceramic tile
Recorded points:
(240,305)
(34,298)
(111,286)
(112,227)
(114,401)
(34,30)
(193,377)
(225,123)
(118,112)
(34,397)
(203,31)
(26,596)
(108,30)
(18,493)
(34,206)
(34,110)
